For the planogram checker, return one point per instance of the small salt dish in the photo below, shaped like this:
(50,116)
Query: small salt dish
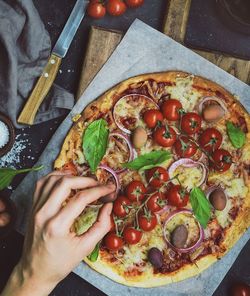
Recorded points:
(7,147)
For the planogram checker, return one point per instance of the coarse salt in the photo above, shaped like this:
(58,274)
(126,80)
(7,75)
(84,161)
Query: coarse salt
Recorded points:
(4,134)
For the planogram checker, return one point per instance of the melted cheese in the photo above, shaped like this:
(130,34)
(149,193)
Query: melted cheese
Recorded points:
(222,216)
(237,188)
(189,177)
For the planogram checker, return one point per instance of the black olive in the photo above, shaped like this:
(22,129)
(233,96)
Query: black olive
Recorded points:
(155,257)
(218,199)
(179,236)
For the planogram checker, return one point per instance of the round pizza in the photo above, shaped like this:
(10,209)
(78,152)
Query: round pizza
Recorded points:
(177,148)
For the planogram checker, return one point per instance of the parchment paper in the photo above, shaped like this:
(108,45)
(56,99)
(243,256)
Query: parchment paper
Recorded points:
(142,50)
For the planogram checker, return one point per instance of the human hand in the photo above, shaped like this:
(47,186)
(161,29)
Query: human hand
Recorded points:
(51,249)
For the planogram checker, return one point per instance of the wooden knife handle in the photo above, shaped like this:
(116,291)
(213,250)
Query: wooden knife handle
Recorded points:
(40,90)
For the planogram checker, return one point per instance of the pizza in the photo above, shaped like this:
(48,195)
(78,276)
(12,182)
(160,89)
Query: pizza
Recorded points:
(177,147)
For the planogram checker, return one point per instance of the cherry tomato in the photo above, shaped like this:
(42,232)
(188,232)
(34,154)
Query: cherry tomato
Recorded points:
(177,196)
(116,7)
(240,289)
(135,190)
(152,117)
(96,9)
(134,3)
(70,168)
(156,202)
(210,139)
(171,108)
(157,176)
(131,235)
(185,147)
(121,206)
(113,242)
(191,123)
(221,160)
(147,222)
(164,136)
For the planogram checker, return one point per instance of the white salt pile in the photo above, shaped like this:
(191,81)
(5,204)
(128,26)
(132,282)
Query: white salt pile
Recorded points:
(4,134)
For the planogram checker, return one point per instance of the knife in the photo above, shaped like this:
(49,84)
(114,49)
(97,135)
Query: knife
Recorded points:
(49,73)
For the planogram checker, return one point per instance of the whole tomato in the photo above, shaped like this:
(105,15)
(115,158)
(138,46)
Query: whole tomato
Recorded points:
(152,117)
(116,7)
(190,123)
(113,242)
(135,190)
(164,136)
(185,147)
(134,3)
(177,196)
(210,139)
(221,160)
(121,206)
(157,176)
(147,222)
(131,235)
(156,202)
(96,9)
(171,109)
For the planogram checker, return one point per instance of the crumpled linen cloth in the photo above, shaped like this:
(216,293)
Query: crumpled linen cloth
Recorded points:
(24,50)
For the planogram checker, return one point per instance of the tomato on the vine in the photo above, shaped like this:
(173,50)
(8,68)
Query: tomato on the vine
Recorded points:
(96,9)
(134,3)
(113,242)
(135,190)
(147,221)
(191,123)
(164,136)
(70,168)
(156,202)
(116,7)
(221,160)
(131,235)
(185,147)
(121,206)
(177,196)
(152,118)
(157,176)
(171,109)
(210,139)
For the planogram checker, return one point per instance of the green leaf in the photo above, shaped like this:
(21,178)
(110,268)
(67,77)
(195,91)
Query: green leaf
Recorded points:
(201,206)
(95,141)
(148,161)
(94,254)
(8,174)
(236,135)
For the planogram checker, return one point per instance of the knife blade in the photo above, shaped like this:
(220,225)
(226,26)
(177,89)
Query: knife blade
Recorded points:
(50,71)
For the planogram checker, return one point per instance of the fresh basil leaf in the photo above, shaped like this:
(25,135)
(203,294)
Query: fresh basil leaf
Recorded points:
(95,141)
(8,174)
(201,206)
(148,161)
(94,254)
(236,135)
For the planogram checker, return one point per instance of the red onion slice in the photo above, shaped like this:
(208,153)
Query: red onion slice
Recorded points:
(115,116)
(211,98)
(201,232)
(113,173)
(188,162)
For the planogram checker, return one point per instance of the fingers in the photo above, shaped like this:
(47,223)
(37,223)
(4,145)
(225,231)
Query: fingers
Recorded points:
(100,228)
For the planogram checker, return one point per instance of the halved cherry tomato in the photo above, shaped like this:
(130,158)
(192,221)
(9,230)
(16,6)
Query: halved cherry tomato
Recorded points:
(156,202)
(191,123)
(185,147)
(113,242)
(116,7)
(147,222)
(96,9)
(177,196)
(121,206)
(131,235)
(157,176)
(210,139)
(221,160)
(134,3)
(70,168)
(135,190)
(152,117)
(171,109)
(164,136)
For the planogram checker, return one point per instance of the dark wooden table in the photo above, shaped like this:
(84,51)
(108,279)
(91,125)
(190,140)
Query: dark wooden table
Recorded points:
(54,14)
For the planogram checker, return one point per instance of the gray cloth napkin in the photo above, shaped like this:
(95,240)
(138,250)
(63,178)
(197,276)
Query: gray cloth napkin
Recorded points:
(24,50)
